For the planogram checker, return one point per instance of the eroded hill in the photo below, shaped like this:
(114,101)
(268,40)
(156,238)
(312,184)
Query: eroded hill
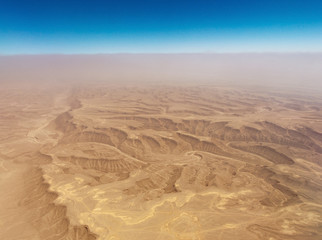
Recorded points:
(160,162)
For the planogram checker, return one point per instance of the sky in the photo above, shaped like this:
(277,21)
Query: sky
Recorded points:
(159,26)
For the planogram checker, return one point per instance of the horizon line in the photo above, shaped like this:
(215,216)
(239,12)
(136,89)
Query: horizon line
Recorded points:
(163,53)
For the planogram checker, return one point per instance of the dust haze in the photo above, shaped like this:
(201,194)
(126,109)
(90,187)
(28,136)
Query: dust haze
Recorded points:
(276,69)
(161,146)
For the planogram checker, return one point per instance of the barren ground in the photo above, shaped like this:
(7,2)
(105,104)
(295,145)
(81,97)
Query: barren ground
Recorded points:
(160,162)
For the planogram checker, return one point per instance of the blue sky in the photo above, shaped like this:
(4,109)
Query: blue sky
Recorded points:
(39,27)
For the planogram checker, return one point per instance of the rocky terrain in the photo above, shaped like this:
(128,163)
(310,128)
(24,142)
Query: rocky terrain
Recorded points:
(160,162)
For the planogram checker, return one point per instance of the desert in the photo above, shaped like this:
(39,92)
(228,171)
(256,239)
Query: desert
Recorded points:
(148,160)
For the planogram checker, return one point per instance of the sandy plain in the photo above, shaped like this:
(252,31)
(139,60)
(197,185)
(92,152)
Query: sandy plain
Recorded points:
(108,161)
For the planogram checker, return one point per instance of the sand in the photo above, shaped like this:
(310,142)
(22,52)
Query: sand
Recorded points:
(108,161)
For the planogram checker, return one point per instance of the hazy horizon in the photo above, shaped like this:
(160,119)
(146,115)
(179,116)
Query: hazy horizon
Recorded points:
(279,70)
(165,53)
